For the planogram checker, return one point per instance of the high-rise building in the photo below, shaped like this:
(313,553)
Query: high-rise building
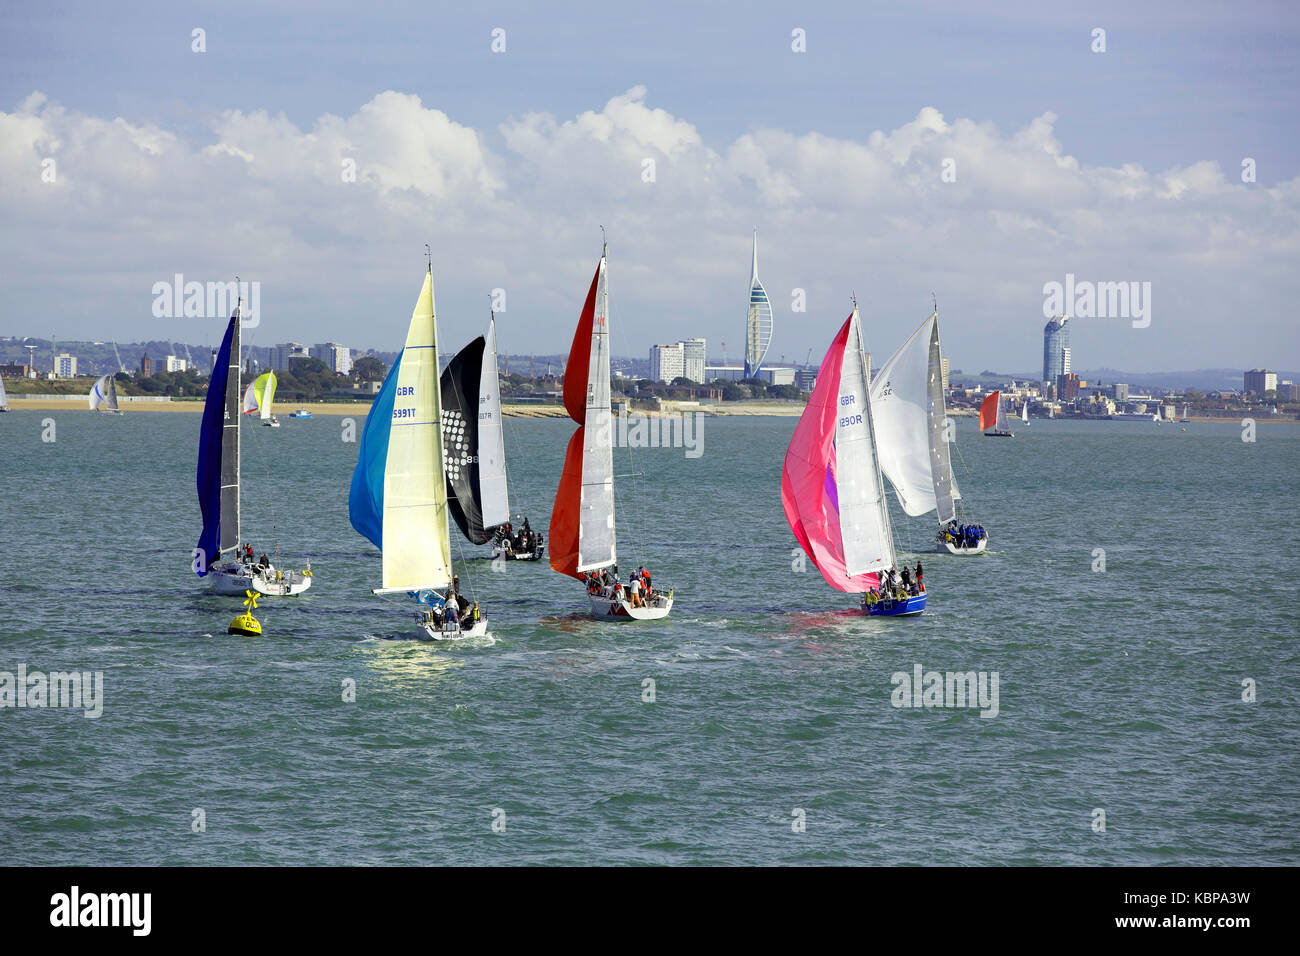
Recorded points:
(667,362)
(1259,381)
(175,364)
(65,365)
(1056,349)
(943,363)
(337,358)
(1120,391)
(284,352)
(693,360)
(758,323)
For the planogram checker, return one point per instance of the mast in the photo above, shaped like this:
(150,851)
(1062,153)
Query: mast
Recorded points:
(230,438)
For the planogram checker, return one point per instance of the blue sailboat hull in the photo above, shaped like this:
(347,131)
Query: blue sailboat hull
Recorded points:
(914,604)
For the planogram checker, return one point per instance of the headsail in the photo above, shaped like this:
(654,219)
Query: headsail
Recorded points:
(830,482)
(399,492)
(218,468)
(908,409)
(989,411)
(99,392)
(582,521)
(461,439)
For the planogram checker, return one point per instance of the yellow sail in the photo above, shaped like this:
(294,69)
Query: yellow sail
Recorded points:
(416,548)
(264,393)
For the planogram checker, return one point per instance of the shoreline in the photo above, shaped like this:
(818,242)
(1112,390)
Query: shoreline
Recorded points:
(727,410)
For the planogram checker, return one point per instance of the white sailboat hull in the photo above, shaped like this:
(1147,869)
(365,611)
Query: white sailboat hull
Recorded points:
(236,581)
(608,609)
(453,632)
(951,548)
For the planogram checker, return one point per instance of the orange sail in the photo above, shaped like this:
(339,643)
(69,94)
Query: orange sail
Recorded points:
(565,516)
(989,412)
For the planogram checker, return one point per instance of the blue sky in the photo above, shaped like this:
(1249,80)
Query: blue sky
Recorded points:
(743,131)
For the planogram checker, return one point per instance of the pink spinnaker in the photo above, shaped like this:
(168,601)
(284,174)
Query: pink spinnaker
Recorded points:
(808,485)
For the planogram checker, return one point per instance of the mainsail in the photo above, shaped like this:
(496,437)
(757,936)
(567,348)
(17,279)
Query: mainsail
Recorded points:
(494,494)
(582,521)
(908,409)
(398,498)
(831,487)
(218,468)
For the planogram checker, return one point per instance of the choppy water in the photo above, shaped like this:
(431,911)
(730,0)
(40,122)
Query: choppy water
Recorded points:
(1118,690)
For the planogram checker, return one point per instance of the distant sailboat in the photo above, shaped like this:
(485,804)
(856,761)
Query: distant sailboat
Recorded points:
(217,555)
(260,397)
(4,398)
(398,498)
(910,421)
(831,485)
(993,415)
(103,396)
(1024,412)
(583,537)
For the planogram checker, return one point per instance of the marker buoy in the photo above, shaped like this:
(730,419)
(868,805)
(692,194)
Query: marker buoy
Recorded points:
(246,624)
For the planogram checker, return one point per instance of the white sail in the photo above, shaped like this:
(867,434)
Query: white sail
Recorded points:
(416,547)
(4,398)
(110,402)
(493,492)
(908,413)
(597,547)
(864,515)
(250,400)
(1002,424)
(99,392)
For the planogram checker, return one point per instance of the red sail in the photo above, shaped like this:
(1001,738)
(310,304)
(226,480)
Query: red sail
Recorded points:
(989,412)
(563,531)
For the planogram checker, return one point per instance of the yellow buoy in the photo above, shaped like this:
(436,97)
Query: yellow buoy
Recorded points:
(246,624)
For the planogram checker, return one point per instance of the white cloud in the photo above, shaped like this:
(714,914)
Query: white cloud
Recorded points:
(519,206)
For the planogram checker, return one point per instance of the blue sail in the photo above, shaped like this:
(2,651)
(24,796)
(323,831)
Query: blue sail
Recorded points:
(366,498)
(210,437)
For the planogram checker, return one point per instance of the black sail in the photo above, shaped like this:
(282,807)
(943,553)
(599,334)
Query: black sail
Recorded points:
(460,385)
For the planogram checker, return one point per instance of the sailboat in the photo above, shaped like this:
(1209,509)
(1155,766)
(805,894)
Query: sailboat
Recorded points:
(477,489)
(259,398)
(583,536)
(1024,412)
(831,484)
(993,415)
(4,398)
(217,555)
(398,498)
(103,396)
(910,420)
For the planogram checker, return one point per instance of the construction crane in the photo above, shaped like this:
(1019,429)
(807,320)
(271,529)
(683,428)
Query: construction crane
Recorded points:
(118,356)
(189,358)
(808,359)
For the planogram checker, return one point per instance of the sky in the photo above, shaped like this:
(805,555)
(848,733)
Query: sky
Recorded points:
(908,149)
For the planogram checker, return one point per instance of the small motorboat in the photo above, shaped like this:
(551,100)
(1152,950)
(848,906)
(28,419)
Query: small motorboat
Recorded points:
(301,413)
